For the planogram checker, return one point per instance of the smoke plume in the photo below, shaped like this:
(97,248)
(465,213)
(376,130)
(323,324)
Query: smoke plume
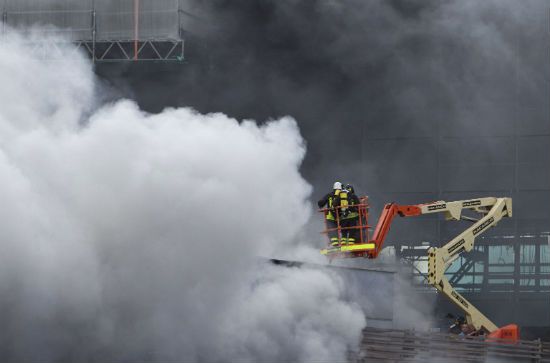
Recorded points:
(132,236)
(385,92)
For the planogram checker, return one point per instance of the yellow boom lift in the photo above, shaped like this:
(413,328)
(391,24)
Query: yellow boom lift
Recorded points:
(489,212)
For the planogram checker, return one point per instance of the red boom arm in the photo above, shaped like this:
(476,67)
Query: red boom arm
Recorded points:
(384,222)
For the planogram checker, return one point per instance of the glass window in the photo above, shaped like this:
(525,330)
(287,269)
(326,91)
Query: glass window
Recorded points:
(527,253)
(545,253)
(497,268)
(501,254)
(478,279)
(527,282)
(501,281)
(529,269)
(455,265)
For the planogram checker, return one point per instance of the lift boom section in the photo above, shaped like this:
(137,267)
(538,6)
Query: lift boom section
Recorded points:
(490,211)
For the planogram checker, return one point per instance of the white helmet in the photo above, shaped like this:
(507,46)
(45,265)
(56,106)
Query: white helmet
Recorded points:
(337,185)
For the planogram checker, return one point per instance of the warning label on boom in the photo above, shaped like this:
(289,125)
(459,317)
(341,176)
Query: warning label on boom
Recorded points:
(483,225)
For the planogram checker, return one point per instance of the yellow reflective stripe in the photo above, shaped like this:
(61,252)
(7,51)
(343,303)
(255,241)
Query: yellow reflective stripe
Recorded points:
(351,215)
(350,248)
(364,246)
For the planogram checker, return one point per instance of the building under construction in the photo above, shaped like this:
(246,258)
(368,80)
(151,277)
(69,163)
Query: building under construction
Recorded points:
(507,273)
(106,30)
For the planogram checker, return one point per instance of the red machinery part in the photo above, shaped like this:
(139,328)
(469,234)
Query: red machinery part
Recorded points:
(509,332)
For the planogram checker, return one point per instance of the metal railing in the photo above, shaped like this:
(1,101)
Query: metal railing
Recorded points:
(361,226)
(390,345)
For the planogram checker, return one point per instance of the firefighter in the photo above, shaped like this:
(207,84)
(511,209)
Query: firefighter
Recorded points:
(330,216)
(349,214)
(469,330)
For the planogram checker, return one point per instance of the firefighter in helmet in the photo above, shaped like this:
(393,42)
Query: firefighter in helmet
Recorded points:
(331,213)
(347,202)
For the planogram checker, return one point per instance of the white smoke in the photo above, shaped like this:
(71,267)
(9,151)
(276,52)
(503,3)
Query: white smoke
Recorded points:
(129,236)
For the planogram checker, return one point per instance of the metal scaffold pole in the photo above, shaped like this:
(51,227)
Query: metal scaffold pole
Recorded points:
(94,32)
(4,17)
(4,21)
(136,28)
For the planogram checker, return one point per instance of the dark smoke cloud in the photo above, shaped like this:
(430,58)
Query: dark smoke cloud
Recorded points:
(354,70)
(347,71)
(411,100)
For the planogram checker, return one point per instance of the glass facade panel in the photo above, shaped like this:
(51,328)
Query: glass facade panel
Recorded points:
(528,271)
(501,254)
(501,281)
(527,253)
(545,253)
(506,268)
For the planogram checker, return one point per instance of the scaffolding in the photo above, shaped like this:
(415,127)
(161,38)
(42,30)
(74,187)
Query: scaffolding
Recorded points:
(105,30)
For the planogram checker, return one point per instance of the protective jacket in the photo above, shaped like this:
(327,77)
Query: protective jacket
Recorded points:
(328,201)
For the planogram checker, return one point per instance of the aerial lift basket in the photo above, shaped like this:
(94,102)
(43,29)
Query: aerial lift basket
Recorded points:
(361,247)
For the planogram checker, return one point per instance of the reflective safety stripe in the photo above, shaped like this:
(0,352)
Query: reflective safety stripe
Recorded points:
(363,246)
(351,215)
(352,248)
(330,204)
